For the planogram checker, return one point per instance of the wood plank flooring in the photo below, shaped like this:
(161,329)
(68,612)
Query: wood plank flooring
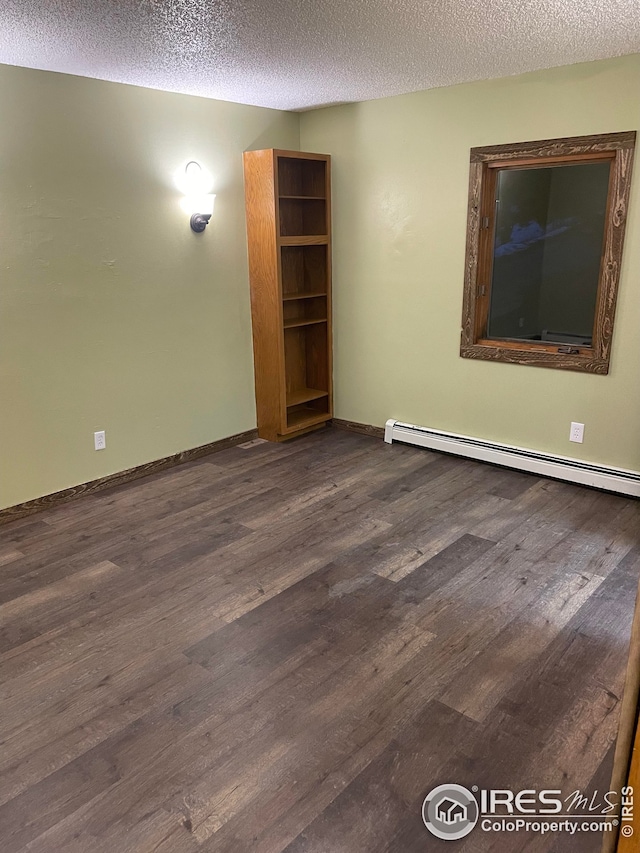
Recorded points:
(284,647)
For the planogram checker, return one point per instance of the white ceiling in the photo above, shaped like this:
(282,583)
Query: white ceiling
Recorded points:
(295,55)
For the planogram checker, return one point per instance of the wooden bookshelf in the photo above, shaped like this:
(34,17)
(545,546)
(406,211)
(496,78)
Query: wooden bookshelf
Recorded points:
(288,209)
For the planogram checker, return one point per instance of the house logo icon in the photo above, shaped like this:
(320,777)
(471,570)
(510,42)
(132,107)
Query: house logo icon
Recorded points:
(450,812)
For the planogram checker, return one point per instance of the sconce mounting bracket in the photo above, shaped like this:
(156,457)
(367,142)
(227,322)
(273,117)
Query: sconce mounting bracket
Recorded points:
(199,221)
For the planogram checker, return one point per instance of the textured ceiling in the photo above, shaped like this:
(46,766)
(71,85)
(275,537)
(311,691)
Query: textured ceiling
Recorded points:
(295,55)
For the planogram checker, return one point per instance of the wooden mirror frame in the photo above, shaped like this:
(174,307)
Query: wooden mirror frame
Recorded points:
(485,164)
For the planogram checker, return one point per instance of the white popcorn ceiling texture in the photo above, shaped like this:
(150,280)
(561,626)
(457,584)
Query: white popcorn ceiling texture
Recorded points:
(295,55)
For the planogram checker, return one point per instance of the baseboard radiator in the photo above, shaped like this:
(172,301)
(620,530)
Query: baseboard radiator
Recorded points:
(546,465)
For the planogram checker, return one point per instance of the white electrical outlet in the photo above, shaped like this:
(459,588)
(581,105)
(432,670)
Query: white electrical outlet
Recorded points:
(577,432)
(100,440)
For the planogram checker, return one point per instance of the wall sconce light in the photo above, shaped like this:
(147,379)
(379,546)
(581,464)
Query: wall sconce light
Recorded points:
(195,183)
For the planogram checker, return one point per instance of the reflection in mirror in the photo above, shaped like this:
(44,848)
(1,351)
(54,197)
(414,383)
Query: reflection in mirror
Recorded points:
(548,243)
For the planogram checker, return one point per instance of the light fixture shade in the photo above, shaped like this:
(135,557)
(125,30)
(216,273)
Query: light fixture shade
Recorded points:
(193,179)
(198,203)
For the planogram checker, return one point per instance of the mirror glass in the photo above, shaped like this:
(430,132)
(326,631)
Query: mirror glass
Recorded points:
(549,236)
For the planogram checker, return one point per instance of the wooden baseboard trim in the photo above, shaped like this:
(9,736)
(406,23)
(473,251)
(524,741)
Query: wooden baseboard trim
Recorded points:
(121,477)
(354,426)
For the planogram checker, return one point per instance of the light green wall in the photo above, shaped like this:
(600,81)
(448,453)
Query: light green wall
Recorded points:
(400,178)
(113,314)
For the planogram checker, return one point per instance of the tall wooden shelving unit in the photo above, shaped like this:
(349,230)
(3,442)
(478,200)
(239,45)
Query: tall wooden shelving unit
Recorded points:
(288,207)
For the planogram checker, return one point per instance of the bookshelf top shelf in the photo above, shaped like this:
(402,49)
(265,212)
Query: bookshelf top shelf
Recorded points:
(304,197)
(302,177)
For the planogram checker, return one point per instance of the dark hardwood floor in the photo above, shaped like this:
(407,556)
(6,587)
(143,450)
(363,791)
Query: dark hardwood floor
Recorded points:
(284,647)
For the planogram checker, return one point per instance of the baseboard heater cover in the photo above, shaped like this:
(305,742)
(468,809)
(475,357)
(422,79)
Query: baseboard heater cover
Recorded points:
(618,480)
